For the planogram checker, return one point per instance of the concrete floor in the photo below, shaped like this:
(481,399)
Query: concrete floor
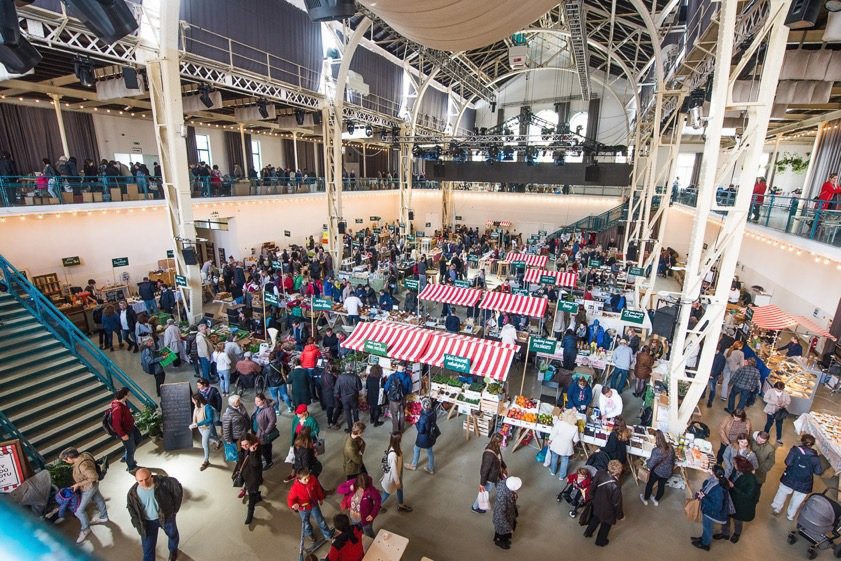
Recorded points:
(442,525)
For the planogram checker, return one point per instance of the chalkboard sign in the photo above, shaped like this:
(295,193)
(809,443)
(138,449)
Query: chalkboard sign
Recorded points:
(119,262)
(428,225)
(374,218)
(181,280)
(287,233)
(749,313)
(70,261)
(458,218)
(177,411)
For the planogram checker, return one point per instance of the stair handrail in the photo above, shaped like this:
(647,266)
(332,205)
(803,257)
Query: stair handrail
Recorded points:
(43,309)
(9,430)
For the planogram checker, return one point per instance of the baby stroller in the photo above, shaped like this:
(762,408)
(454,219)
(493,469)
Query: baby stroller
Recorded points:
(819,521)
(575,494)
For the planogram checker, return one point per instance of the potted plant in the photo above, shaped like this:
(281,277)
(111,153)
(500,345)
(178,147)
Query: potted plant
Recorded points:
(150,421)
(797,163)
(61,473)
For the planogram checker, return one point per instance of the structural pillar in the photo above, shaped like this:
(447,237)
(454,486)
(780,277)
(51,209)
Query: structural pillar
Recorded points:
(364,159)
(59,117)
(295,149)
(317,170)
(246,165)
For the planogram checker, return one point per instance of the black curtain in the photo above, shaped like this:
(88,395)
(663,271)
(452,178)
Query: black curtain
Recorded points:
(593,118)
(192,149)
(30,134)
(827,158)
(384,78)
(562,109)
(288,153)
(376,161)
(233,152)
(256,27)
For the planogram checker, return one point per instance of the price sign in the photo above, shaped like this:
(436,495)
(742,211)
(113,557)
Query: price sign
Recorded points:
(376,348)
(322,304)
(462,284)
(181,280)
(373,218)
(541,345)
(170,254)
(551,280)
(428,225)
(276,264)
(70,261)
(119,262)
(633,316)
(287,234)
(457,363)
(359,221)
(521,291)
(636,271)
(411,284)
(270,298)
(569,307)
(749,313)
(594,263)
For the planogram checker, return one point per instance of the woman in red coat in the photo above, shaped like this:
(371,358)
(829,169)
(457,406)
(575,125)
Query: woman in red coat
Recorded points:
(347,545)
(829,189)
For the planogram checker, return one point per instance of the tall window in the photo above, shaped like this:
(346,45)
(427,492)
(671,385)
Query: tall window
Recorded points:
(256,156)
(685,169)
(203,148)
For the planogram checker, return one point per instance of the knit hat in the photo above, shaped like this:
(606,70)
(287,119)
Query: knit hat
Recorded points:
(514,483)
(302,408)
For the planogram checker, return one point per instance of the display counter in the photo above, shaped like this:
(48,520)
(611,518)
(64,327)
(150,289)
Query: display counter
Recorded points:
(801,382)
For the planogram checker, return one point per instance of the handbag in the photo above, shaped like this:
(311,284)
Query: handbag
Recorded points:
(586,514)
(781,414)
(230,452)
(643,473)
(272,436)
(692,510)
(319,446)
(239,481)
(541,455)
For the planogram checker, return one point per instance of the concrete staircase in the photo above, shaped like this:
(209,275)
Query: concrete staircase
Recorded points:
(46,391)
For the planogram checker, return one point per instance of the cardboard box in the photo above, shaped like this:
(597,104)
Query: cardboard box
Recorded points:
(29,201)
(131,189)
(88,197)
(116,194)
(67,198)
(97,197)
(242,188)
(52,201)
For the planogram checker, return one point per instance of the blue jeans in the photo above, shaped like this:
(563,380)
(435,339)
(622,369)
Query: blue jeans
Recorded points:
(149,539)
(128,336)
(224,378)
(769,420)
(208,433)
(129,446)
(151,306)
(711,384)
(278,394)
(204,364)
(319,519)
(706,529)
(620,377)
(744,396)
(384,496)
(94,495)
(430,458)
(557,461)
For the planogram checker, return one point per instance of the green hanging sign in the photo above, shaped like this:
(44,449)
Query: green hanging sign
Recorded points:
(569,307)
(633,316)
(376,348)
(462,284)
(542,345)
(70,261)
(119,262)
(457,363)
(521,291)
(322,304)
(636,271)
(594,263)
(181,280)
(411,284)
(270,298)
(551,280)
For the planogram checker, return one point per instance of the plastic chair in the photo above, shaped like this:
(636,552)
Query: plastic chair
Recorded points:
(553,386)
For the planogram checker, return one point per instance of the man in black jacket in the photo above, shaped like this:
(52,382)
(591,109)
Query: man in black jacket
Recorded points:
(346,390)
(146,289)
(128,320)
(152,504)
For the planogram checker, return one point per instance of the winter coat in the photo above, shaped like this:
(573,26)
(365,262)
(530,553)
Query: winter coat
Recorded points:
(729,461)
(745,495)
(168,495)
(492,466)
(352,453)
(563,437)
(372,390)
(310,423)
(642,370)
(392,480)
(661,463)
(310,356)
(300,383)
(328,386)
(347,546)
(776,400)
(122,421)
(84,472)
(305,495)
(765,457)
(730,427)
(424,425)
(304,458)
(250,466)
(504,509)
(235,423)
(714,504)
(607,498)
(801,464)
(371,500)
(616,449)
(570,345)
(111,323)
(266,420)
(347,388)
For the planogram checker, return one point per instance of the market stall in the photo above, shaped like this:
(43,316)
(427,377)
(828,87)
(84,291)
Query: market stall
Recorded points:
(542,276)
(515,304)
(453,295)
(392,340)
(800,380)
(529,259)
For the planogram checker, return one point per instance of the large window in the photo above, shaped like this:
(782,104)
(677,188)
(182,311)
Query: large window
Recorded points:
(203,148)
(685,169)
(256,156)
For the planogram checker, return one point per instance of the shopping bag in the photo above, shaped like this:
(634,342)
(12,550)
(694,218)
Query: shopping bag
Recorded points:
(643,474)
(586,514)
(540,457)
(290,457)
(692,510)
(484,500)
(230,452)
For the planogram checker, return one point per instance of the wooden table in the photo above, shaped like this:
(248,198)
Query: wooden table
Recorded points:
(387,546)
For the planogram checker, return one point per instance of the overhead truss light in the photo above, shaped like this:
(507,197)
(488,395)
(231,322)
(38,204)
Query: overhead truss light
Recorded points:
(262,107)
(83,69)
(204,95)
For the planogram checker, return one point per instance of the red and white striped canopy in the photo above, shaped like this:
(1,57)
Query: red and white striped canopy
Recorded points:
(771,317)
(404,342)
(502,223)
(454,295)
(490,359)
(514,304)
(561,278)
(811,327)
(529,259)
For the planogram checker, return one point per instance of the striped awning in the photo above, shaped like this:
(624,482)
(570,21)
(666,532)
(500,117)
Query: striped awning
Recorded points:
(514,304)
(490,359)
(771,317)
(404,342)
(561,278)
(531,260)
(810,326)
(500,223)
(454,295)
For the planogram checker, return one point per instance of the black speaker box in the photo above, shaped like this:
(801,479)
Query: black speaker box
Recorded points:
(190,257)
(342,227)
(592,173)
(19,58)
(411,215)
(330,10)
(9,28)
(438,171)
(110,20)
(803,14)
(663,323)
(130,78)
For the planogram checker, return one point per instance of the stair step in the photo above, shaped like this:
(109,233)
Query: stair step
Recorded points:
(64,411)
(90,416)
(26,350)
(22,321)
(28,383)
(52,444)
(7,302)
(37,360)
(11,312)
(35,369)
(41,403)
(93,443)
(10,342)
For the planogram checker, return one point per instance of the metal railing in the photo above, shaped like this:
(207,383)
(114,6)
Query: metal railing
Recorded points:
(43,310)
(8,431)
(805,218)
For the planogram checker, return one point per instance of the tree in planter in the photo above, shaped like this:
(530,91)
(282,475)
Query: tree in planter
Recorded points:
(61,474)
(150,421)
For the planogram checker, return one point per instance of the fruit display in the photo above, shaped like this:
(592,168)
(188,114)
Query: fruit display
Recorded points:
(544,419)
(525,402)
(520,415)
(495,388)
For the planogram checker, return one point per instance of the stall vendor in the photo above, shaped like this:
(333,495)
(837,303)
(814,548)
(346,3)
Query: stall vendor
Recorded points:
(793,347)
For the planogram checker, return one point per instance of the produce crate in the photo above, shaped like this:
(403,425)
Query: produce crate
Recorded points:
(470,394)
(483,423)
(491,407)
(518,423)
(487,396)
(543,428)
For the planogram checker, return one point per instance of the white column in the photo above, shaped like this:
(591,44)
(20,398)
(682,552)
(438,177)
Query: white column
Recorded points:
(364,159)
(295,149)
(246,165)
(61,131)
(317,170)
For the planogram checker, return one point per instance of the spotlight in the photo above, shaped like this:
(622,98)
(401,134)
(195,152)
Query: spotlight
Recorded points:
(560,157)
(507,153)
(299,116)
(417,151)
(83,69)
(350,127)
(383,135)
(493,107)
(493,154)
(261,107)
(369,130)
(204,95)
(110,20)
(531,155)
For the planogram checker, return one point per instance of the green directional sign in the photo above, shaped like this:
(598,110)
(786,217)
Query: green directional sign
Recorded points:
(636,271)
(287,234)
(749,313)
(181,280)
(70,261)
(594,263)
(521,291)
(119,262)
(376,348)
(170,254)
(548,279)
(322,304)
(270,298)
(359,221)
(462,284)
(633,316)
(276,264)
(373,218)
(457,363)
(569,307)
(411,284)
(542,345)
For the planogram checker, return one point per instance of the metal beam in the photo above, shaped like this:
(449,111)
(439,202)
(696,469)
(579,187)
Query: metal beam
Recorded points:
(577,24)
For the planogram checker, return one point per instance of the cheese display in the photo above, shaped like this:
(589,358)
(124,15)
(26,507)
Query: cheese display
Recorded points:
(800,382)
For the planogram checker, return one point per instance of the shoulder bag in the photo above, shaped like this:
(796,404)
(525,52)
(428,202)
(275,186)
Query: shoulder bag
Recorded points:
(237,477)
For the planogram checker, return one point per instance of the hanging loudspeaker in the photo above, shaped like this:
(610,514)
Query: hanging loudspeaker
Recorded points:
(411,215)
(342,227)
(130,78)
(190,257)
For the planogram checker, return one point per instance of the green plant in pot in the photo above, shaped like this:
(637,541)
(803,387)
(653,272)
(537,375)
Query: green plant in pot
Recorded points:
(150,421)
(61,473)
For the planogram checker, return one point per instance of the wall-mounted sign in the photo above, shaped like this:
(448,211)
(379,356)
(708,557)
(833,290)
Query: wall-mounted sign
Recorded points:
(359,221)
(181,280)
(633,316)
(458,218)
(119,262)
(374,218)
(428,225)
(287,234)
(170,254)
(71,261)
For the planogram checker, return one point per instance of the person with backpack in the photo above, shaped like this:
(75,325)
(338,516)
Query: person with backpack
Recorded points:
(428,433)
(85,481)
(151,364)
(392,481)
(802,463)
(121,423)
(275,375)
(212,396)
(204,419)
(397,387)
